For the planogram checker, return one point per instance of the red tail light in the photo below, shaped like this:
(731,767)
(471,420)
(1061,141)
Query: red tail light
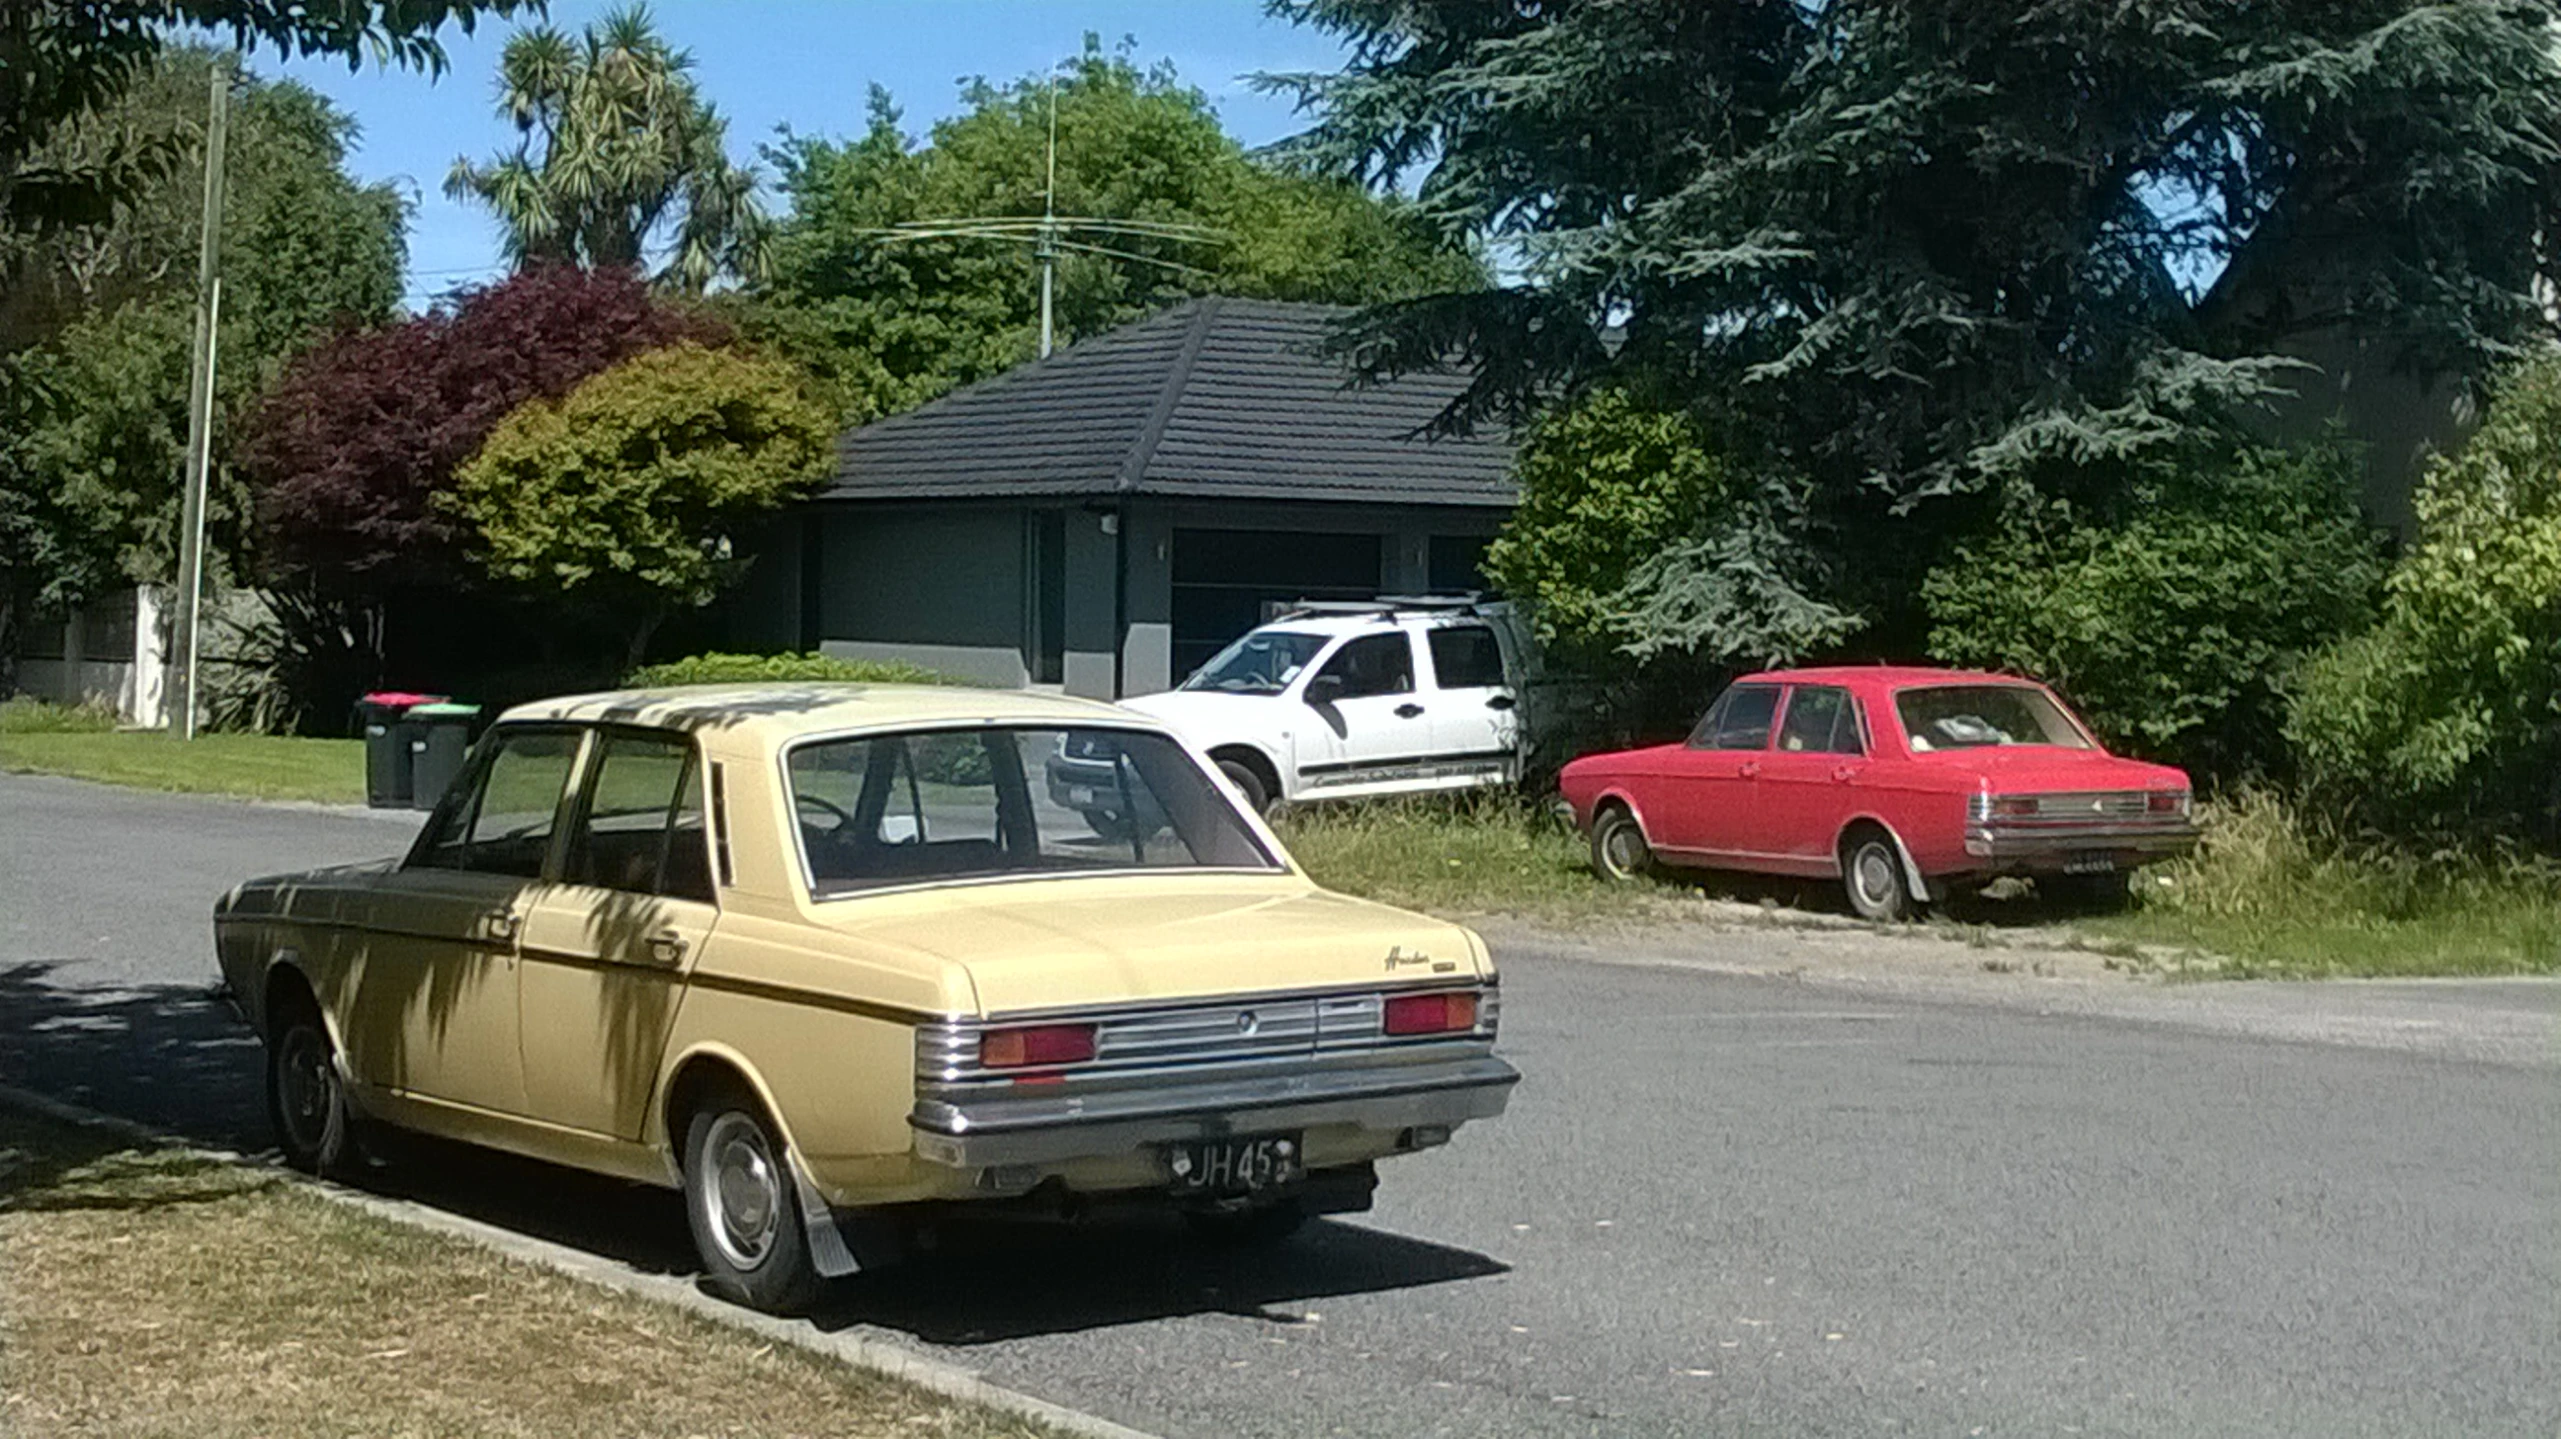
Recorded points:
(1043,1044)
(1431,1013)
(2014,805)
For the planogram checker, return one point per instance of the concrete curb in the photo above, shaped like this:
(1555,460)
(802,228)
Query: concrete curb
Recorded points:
(951,1381)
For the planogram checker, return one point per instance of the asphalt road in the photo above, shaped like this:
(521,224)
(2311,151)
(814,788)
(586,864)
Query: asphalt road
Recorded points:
(1721,1203)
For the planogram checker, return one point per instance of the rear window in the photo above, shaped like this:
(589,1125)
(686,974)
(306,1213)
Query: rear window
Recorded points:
(1466,657)
(1946,717)
(933,805)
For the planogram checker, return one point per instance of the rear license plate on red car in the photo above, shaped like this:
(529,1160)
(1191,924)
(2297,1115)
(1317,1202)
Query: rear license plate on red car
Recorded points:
(1235,1166)
(2090,861)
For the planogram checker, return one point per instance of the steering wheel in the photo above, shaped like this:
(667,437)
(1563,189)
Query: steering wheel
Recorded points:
(844,824)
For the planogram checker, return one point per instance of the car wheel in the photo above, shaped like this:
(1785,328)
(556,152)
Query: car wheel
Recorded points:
(1872,877)
(1619,850)
(1248,783)
(307,1096)
(741,1204)
(1247,1228)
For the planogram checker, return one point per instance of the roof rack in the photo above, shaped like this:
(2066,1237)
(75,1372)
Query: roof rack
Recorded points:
(1464,602)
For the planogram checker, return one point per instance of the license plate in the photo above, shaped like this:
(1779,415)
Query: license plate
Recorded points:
(1235,1166)
(1080,794)
(2089,861)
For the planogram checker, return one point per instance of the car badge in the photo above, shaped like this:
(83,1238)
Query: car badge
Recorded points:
(1396,956)
(1246,1023)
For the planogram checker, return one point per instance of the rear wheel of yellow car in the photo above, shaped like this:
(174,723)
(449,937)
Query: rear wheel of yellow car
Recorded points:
(742,1206)
(1619,850)
(306,1095)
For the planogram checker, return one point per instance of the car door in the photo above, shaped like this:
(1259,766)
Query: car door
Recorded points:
(1708,788)
(1472,710)
(1808,781)
(1366,722)
(607,947)
(435,1007)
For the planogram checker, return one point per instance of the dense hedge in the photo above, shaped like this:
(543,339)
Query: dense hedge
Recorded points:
(722,669)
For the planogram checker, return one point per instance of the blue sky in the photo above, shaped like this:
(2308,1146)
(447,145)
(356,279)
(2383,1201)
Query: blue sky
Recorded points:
(807,63)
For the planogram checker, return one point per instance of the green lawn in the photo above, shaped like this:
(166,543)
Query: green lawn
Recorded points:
(260,766)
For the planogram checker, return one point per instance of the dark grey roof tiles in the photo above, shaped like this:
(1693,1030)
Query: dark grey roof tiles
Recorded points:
(1215,397)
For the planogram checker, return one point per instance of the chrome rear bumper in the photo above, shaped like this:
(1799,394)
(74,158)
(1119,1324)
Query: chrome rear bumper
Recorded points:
(1029,1127)
(2047,846)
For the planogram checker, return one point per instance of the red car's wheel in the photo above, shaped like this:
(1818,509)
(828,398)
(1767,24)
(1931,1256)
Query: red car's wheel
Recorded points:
(1872,876)
(1619,850)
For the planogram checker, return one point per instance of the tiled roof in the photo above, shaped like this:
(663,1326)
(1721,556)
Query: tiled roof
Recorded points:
(1214,398)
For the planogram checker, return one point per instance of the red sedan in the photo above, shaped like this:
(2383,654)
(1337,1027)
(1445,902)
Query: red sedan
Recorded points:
(1906,784)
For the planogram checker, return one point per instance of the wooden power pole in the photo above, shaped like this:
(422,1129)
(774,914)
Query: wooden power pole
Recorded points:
(183,699)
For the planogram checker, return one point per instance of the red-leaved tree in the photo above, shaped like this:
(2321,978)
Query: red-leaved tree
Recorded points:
(347,451)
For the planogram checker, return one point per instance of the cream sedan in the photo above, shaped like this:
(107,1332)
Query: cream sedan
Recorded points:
(827,957)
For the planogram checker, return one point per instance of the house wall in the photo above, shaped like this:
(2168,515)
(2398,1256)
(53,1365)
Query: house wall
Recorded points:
(938,586)
(111,653)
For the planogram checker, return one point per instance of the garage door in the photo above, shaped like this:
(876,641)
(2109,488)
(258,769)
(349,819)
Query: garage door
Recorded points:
(1225,580)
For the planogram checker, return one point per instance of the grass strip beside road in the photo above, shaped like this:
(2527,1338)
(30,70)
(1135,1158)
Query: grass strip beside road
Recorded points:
(327,771)
(151,1291)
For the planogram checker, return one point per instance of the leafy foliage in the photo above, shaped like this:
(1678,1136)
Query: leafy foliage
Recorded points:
(2448,711)
(102,320)
(1914,248)
(2175,618)
(716,668)
(623,494)
(1634,535)
(22,715)
(348,451)
(619,147)
(888,324)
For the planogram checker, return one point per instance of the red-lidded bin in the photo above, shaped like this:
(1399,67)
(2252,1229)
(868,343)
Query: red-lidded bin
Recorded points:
(389,738)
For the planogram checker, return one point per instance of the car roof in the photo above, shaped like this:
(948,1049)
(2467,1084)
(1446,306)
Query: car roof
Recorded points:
(1890,676)
(774,713)
(1317,623)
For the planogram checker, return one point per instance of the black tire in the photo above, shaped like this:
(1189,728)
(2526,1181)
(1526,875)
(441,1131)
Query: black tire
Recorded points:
(1254,1228)
(307,1104)
(743,1208)
(1619,851)
(1872,877)
(2094,893)
(1249,783)
(1107,825)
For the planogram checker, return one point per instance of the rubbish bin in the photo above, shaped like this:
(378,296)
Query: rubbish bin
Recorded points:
(388,738)
(441,737)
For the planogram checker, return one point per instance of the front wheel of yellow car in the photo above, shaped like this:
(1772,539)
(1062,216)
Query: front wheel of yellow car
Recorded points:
(740,1202)
(306,1095)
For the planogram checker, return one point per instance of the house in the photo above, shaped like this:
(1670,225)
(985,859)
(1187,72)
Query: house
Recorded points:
(1106,519)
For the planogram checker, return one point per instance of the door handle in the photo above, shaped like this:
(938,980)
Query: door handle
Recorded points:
(499,924)
(1748,769)
(1844,773)
(1499,702)
(1408,711)
(667,949)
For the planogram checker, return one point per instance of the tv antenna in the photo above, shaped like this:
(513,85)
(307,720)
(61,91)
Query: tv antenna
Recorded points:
(1051,233)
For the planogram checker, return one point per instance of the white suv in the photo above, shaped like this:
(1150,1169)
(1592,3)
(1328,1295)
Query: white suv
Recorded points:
(1340,700)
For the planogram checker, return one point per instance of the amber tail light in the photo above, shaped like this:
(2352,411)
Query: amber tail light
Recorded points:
(1043,1044)
(1431,1013)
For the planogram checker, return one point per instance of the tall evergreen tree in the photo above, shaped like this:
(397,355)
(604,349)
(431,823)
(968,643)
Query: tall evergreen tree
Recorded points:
(1907,249)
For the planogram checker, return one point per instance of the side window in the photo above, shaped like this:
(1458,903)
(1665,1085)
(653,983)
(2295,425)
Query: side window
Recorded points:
(1374,665)
(1743,718)
(504,824)
(1466,657)
(642,827)
(1820,720)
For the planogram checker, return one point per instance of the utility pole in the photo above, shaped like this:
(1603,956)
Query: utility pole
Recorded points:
(1046,248)
(191,535)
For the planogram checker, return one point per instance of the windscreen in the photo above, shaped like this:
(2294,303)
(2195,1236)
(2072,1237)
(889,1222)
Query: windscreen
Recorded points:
(1949,717)
(976,803)
(1263,662)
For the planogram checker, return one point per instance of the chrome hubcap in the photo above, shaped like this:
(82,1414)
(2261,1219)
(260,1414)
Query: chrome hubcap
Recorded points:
(1622,850)
(306,1088)
(1873,870)
(742,1193)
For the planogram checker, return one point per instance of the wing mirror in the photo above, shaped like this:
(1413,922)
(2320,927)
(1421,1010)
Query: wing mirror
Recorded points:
(1324,689)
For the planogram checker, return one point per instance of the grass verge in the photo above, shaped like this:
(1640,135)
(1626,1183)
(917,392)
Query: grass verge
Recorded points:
(259,766)
(152,1292)
(1465,855)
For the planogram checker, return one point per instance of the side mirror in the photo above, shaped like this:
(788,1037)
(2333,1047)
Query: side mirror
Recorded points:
(1324,689)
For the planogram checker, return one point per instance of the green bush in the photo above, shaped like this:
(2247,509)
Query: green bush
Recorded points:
(729,669)
(27,715)
(2175,619)
(2446,715)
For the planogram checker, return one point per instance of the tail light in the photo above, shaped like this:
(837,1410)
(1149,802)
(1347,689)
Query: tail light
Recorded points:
(2168,801)
(2013,806)
(1446,1013)
(1036,1045)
